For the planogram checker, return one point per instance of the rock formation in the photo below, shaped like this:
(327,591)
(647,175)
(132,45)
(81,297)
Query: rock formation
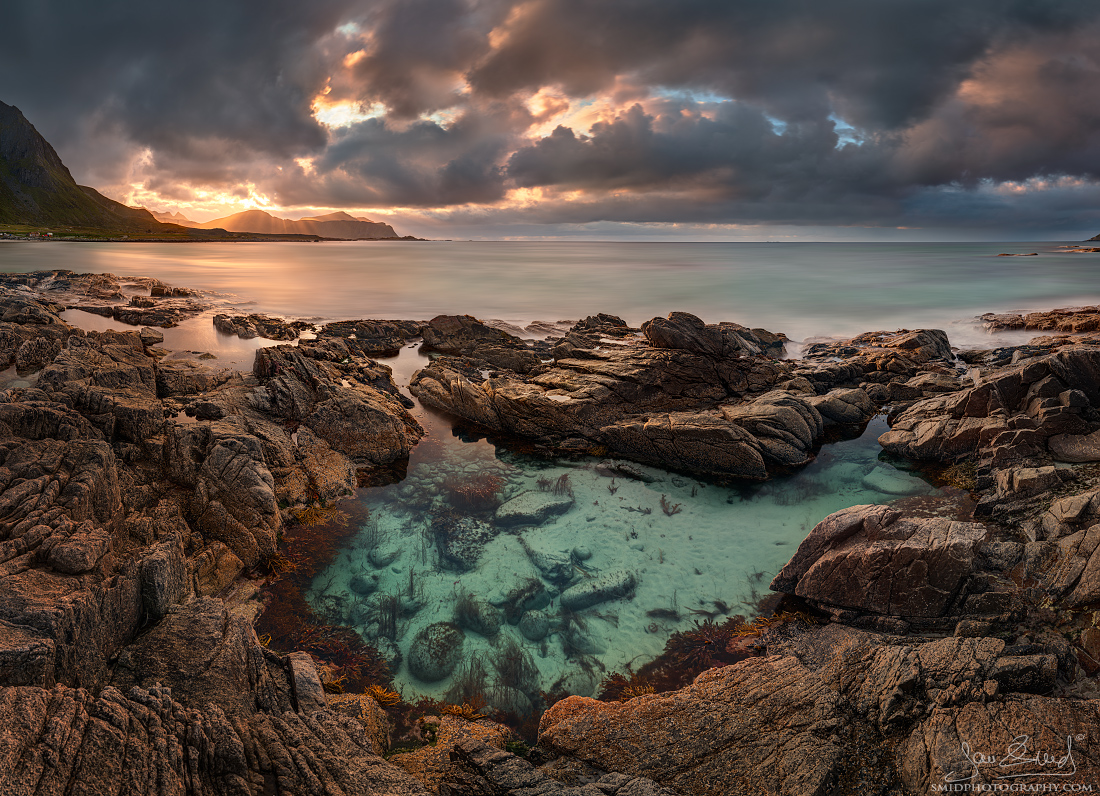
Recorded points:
(135,489)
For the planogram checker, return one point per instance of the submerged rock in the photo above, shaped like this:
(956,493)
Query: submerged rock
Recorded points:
(609,586)
(477,615)
(534,625)
(435,652)
(532,508)
(889,481)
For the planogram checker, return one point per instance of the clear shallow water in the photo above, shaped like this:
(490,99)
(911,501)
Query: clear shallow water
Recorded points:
(801,289)
(714,555)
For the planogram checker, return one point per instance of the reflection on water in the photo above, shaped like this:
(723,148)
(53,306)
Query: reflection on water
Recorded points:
(799,289)
(483,557)
(197,336)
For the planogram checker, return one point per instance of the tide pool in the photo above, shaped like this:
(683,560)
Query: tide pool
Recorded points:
(491,571)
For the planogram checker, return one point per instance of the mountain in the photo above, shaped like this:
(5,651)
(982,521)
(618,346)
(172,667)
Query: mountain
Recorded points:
(174,218)
(36,189)
(333,225)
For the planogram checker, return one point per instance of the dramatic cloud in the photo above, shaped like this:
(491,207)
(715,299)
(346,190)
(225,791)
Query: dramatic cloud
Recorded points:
(850,113)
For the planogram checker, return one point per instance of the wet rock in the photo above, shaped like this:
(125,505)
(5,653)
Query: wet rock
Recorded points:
(480,769)
(1034,674)
(611,468)
(150,336)
(183,377)
(435,652)
(111,380)
(556,567)
(534,625)
(364,584)
(653,405)
(900,353)
(165,578)
(1075,447)
(869,558)
(609,586)
(234,492)
(215,567)
(889,481)
(374,338)
(1075,576)
(148,744)
(1013,410)
(247,327)
(532,508)
(352,405)
(529,595)
(464,335)
(383,555)
(461,540)
(306,688)
(431,764)
(1026,481)
(698,442)
(1069,319)
(36,354)
(478,616)
(233,671)
(686,332)
(843,407)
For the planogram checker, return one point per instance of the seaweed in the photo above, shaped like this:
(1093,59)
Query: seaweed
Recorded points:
(670,508)
(467,711)
(468,683)
(389,606)
(474,493)
(515,669)
(562,487)
(290,623)
(320,514)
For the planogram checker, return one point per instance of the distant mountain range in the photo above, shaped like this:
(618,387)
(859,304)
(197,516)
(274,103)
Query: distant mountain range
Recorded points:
(333,225)
(37,189)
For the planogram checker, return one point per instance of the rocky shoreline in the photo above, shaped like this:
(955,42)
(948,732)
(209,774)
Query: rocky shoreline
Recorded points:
(142,496)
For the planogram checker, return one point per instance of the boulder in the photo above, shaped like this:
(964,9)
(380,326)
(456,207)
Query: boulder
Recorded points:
(1075,447)
(843,407)
(868,558)
(611,585)
(532,508)
(464,335)
(435,652)
(890,481)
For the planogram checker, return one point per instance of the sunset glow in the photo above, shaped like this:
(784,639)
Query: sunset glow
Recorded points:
(540,112)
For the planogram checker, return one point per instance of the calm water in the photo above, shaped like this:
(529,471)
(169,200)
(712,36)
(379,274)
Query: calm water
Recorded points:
(716,548)
(802,289)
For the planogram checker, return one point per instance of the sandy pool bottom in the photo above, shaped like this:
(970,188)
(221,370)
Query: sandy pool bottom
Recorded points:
(584,567)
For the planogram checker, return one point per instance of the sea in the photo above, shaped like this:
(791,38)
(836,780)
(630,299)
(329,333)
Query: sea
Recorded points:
(694,549)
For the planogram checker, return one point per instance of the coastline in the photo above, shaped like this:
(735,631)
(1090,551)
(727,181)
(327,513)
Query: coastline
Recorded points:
(900,638)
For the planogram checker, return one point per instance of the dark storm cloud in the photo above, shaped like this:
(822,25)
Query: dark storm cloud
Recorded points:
(884,63)
(170,73)
(713,110)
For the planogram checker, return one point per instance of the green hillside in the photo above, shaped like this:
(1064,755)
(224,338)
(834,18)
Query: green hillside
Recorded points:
(36,188)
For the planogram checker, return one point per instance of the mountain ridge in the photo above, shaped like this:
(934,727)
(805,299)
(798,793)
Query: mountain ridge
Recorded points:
(332,225)
(37,188)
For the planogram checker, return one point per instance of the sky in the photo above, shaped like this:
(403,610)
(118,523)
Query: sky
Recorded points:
(640,119)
